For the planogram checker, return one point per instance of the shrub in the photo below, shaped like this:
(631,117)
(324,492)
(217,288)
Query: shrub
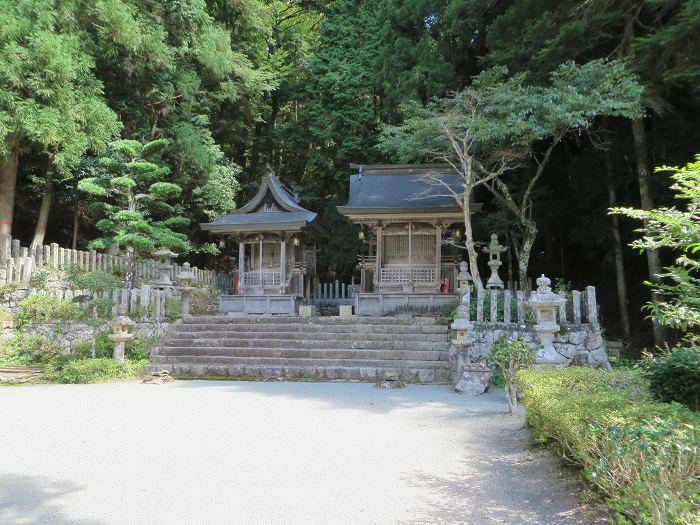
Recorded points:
(97,281)
(41,308)
(39,279)
(676,377)
(27,350)
(139,348)
(511,355)
(640,454)
(136,349)
(95,370)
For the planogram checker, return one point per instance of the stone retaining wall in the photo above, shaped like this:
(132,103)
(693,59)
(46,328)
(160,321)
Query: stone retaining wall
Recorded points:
(67,335)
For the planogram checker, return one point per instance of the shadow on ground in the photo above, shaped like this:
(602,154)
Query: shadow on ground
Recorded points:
(364,396)
(31,499)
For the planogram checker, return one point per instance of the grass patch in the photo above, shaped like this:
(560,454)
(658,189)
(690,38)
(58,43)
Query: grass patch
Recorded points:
(640,454)
(93,370)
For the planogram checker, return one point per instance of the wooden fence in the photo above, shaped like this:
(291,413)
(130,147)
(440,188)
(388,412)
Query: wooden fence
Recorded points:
(17,264)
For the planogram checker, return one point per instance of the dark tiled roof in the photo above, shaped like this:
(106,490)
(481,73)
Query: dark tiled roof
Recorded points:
(271,218)
(403,189)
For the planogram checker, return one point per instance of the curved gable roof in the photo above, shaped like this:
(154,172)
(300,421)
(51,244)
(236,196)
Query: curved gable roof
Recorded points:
(282,214)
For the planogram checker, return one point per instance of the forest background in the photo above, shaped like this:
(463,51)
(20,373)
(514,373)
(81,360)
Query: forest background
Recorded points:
(305,87)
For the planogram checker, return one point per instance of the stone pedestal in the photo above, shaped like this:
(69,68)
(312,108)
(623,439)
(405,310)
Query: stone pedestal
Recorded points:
(345,310)
(546,305)
(474,379)
(307,311)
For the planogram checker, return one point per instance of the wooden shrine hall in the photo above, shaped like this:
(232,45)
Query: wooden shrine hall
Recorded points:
(276,251)
(408,215)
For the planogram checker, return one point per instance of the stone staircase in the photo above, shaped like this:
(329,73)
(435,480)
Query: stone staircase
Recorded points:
(318,348)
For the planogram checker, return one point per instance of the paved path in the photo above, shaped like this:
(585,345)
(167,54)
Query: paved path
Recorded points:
(197,452)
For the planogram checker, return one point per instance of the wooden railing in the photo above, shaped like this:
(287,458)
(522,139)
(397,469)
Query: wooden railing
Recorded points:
(257,278)
(408,275)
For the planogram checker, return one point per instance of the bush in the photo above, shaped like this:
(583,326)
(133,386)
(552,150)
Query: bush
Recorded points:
(97,281)
(94,370)
(27,350)
(640,454)
(511,355)
(676,377)
(39,279)
(41,308)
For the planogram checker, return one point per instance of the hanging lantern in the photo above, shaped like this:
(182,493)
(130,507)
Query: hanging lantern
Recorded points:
(295,241)
(457,233)
(361,235)
(222,243)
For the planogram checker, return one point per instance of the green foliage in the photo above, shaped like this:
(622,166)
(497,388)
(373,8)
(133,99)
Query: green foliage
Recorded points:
(641,455)
(6,290)
(498,380)
(139,348)
(42,308)
(49,94)
(27,350)
(676,377)
(677,228)
(39,279)
(97,281)
(95,370)
(511,356)
(138,216)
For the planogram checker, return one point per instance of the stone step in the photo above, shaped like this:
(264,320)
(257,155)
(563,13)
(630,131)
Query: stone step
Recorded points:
(309,373)
(292,353)
(317,336)
(311,328)
(304,343)
(300,361)
(285,319)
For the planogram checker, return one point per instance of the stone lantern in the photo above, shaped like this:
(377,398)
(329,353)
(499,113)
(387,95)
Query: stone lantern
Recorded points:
(546,305)
(165,263)
(185,280)
(120,335)
(494,250)
(463,277)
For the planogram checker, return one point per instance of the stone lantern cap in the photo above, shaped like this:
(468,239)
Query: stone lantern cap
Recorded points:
(121,324)
(164,253)
(544,296)
(186,277)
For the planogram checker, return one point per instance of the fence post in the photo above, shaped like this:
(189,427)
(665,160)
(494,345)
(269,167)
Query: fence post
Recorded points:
(507,298)
(14,248)
(562,308)
(479,304)
(5,247)
(494,306)
(576,300)
(591,305)
(520,303)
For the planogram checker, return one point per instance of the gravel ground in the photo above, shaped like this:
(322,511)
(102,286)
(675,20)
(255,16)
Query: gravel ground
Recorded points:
(209,452)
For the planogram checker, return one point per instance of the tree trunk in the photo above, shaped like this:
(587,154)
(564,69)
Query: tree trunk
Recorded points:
(469,243)
(529,236)
(617,247)
(44,209)
(8,184)
(76,226)
(647,203)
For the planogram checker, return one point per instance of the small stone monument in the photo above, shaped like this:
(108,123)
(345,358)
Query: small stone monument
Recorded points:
(120,335)
(165,263)
(185,279)
(494,250)
(546,305)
